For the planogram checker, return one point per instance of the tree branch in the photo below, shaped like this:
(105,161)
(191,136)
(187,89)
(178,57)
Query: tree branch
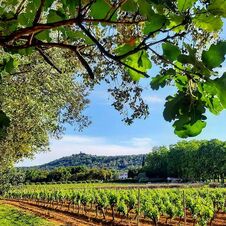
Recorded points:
(108,54)
(84,63)
(42,27)
(39,12)
(47,59)
(187,73)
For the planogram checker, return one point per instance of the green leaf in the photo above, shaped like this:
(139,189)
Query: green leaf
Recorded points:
(125,48)
(23,18)
(174,23)
(217,7)
(10,65)
(130,6)
(215,56)
(139,61)
(186,113)
(211,95)
(79,35)
(47,4)
(192,60)
(146,9)
(164,4)
(170,51)
(157,21)
(171,107)
(55,16)
(70,6)
(27,51)
(26,19)
(162,79)
(181,81)
(185,59)
(44,36)
(185,129)
(100,9)
(208,23)
(221,89)
(183,5)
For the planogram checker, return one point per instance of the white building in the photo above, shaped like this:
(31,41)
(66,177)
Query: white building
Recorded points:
(173,180)
(123,176)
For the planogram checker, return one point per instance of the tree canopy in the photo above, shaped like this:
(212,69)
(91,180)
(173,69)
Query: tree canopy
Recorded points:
(116,41)
(189,160)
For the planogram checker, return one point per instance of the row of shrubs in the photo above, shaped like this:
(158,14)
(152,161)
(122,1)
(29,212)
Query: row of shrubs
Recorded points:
(64,182)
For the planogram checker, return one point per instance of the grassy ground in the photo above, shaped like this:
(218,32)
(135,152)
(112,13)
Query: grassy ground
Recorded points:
(11,216)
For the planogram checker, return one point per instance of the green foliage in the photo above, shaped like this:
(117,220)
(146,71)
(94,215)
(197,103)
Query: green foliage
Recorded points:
(100,9)
(209,23)
(201,203)
(10,177)
(139,61)
(4,123)
(183,5)
(36,96)
(66,174)
(187,124)
(217,7)
(55,16)
(170,52)
(109,41)
(156,22)
(190,161)
(112,162)
(215,56)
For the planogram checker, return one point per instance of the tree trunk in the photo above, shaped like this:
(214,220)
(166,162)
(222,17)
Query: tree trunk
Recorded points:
(113,213)
(102,210)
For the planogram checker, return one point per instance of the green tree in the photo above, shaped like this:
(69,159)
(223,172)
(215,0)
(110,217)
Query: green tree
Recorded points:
(213,160)
(38,105)
(36,175)
(10,177)
(59,174)
(116,40)
(156,162)
(182,160)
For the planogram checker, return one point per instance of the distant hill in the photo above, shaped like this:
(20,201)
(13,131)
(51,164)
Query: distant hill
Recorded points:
(122,162)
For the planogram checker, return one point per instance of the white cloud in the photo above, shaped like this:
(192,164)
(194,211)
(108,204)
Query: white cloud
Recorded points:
(153,99)
(142,142)
(102,97)
(69,145)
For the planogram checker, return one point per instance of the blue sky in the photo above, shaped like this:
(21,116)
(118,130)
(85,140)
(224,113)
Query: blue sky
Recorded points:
(108,135)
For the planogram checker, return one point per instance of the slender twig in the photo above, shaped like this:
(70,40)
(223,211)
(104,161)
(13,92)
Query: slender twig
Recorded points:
(39,12)
(84,63)
(187,73)
(47,59)
(108,54)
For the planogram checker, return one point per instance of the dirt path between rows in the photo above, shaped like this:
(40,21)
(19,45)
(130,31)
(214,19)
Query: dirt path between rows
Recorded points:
(58,218)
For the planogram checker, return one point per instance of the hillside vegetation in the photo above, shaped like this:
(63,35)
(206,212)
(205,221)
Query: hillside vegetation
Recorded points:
(122,162)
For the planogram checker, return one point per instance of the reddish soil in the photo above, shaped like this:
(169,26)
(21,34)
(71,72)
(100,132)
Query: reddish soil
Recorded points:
(63,216)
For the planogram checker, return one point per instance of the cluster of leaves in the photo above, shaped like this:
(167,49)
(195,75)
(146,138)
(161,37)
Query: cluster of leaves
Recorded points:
(38,106)
(10,177)
(122,39)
